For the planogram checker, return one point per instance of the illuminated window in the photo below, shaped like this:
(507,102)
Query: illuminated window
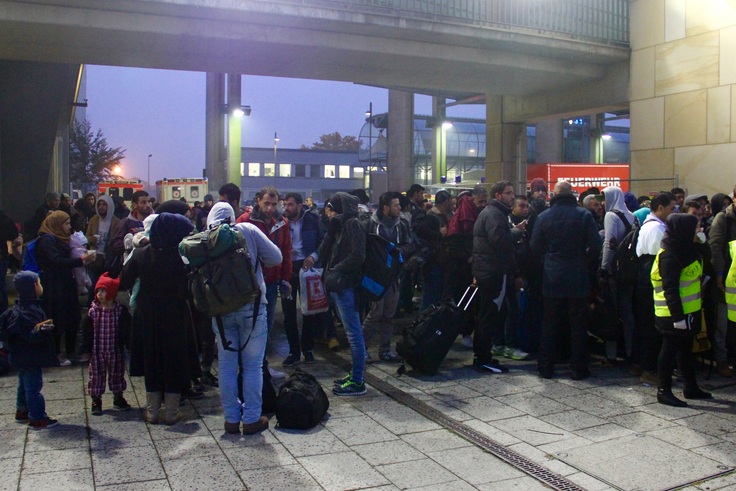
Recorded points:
(330,171)
(269,170)
(344,172)
(284,170)
(254,169)
(358,172)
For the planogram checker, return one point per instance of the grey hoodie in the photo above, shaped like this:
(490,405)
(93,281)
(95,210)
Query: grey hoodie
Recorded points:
(260,247)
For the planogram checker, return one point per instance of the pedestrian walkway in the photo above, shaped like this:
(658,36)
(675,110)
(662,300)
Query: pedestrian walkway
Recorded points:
(606,432)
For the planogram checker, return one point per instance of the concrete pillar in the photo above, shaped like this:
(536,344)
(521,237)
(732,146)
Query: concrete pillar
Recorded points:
(399,167)
(549,141)
(505,146)
(214,130)
(439,148)
(235,125)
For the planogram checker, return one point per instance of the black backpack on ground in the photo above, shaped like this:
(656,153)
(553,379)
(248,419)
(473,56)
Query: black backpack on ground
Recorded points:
(426,342)
(302,403)
(627,262)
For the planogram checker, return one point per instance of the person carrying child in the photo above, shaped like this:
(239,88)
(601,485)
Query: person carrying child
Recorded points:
(31,345)
(106,328)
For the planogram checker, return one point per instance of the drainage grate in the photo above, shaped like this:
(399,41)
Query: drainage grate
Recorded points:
(511,457)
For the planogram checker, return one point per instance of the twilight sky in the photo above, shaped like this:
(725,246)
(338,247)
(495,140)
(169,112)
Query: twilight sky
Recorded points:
(161,112)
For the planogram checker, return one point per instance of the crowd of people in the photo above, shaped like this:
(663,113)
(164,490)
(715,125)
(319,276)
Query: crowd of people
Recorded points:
(548,273)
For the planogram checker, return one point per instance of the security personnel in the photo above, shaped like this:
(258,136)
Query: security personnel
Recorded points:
(675,277)
(731,283)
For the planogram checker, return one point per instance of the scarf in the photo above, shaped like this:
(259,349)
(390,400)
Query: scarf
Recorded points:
(52,225)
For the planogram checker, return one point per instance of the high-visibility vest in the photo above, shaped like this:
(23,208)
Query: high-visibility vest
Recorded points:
(689,288)
(730,283)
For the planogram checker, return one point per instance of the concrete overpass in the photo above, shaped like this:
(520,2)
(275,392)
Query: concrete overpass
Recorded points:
(528,59)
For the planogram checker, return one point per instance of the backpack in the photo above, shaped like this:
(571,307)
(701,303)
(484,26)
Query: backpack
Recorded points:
(30,263)
(382,265)
(626,261)
(302,403)
(223,278)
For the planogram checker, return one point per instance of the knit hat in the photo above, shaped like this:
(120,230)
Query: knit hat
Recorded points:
(110,285)
(25,285)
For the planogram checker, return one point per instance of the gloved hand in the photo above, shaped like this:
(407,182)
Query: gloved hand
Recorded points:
(685,324)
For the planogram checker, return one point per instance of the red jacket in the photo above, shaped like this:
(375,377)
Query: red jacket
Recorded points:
(276,229)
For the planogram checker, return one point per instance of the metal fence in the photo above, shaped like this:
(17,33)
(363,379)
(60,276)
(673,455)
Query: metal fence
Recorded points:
(604,21)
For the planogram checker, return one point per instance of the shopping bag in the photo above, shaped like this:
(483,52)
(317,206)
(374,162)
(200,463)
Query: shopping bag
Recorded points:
(312,292)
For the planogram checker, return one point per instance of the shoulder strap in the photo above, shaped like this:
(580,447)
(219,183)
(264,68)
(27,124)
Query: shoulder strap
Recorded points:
(622,217)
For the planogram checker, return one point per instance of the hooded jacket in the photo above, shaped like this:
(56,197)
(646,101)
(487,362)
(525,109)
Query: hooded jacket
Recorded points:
(343,248)
(275,228)
(722,231)
(261,249)
(394,230)
(614,228)
(94,226)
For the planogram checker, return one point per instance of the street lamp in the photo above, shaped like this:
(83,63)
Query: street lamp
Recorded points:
(369,116)
(149,169)
(117,170)
(275,144)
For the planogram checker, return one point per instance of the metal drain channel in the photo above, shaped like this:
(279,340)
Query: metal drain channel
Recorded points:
(511,457)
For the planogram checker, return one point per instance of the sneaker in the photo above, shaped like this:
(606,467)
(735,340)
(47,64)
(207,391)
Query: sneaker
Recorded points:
(21,416)
(64,362)
(291,360)
(349,388)
(491,366)
(389,356)
(308,357)
(232,428)
(468,341)
(345,379)
(276,373)
(498,350)
(41,424)
(257,427)
(120,403)
(333,344)
(97,405)
(210,380)
(516,354)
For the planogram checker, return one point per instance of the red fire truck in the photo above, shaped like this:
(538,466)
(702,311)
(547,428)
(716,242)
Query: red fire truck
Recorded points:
(190,188)
(581,176)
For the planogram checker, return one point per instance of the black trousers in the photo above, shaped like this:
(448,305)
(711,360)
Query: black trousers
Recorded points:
(648,339)
(490,318)
(676,351)
(563,316)
(310,323)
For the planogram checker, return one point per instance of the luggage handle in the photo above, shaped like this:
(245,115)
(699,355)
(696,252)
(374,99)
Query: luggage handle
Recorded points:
(460,303)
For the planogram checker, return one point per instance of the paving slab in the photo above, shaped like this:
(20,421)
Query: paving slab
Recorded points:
(384,453)
(127,464)
(658,464)
(157,485)
(314,441)
(474,465)
(285,478)
(357,472)
(433,441)
(358,429)
(10,470)
(416,473)
(73,480)
(56,460)
(531,430)
(202,474)
(259,456)
(486,408)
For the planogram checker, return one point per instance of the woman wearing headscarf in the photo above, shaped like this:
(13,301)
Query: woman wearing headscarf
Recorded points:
(60,300)
(617,222)
(676,276)
(163,312)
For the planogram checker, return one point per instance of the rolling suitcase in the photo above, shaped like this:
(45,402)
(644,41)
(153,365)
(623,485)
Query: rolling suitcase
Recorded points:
(426,342)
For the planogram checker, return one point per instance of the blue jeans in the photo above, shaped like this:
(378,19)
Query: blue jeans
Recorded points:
(345,303)
(29,397)
(237,326)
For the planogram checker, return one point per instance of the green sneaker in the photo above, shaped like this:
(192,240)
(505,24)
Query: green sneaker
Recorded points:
(498,350)
(516,354)
(344,380)
(350,388)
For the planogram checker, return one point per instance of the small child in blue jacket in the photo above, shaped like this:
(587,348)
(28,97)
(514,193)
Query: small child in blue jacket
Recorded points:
(31,347)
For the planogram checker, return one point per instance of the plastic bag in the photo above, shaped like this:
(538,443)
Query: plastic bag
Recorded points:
(312,293)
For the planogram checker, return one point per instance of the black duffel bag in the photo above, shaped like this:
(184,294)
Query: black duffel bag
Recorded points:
(301,403)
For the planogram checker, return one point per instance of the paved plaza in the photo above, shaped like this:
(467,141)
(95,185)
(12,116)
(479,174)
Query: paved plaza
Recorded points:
(606,432)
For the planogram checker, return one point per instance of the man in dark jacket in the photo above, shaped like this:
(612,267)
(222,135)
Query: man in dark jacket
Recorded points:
(30,228)
(387,223)
(567,237)
(343,252)
(306,235)
(133,223)
(493,261)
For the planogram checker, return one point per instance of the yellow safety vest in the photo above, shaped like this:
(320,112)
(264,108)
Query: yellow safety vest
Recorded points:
(689,288)
(730,283)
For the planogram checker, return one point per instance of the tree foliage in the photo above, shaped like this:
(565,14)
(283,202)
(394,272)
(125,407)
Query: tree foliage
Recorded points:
(335,141)
(91,160)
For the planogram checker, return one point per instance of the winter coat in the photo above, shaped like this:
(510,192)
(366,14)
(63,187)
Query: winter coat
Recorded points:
(59,300)
(566,237)
(722,231)
(28,347)
(276,229)
(343,249)
(312,231)
(88,329)
(493,242)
